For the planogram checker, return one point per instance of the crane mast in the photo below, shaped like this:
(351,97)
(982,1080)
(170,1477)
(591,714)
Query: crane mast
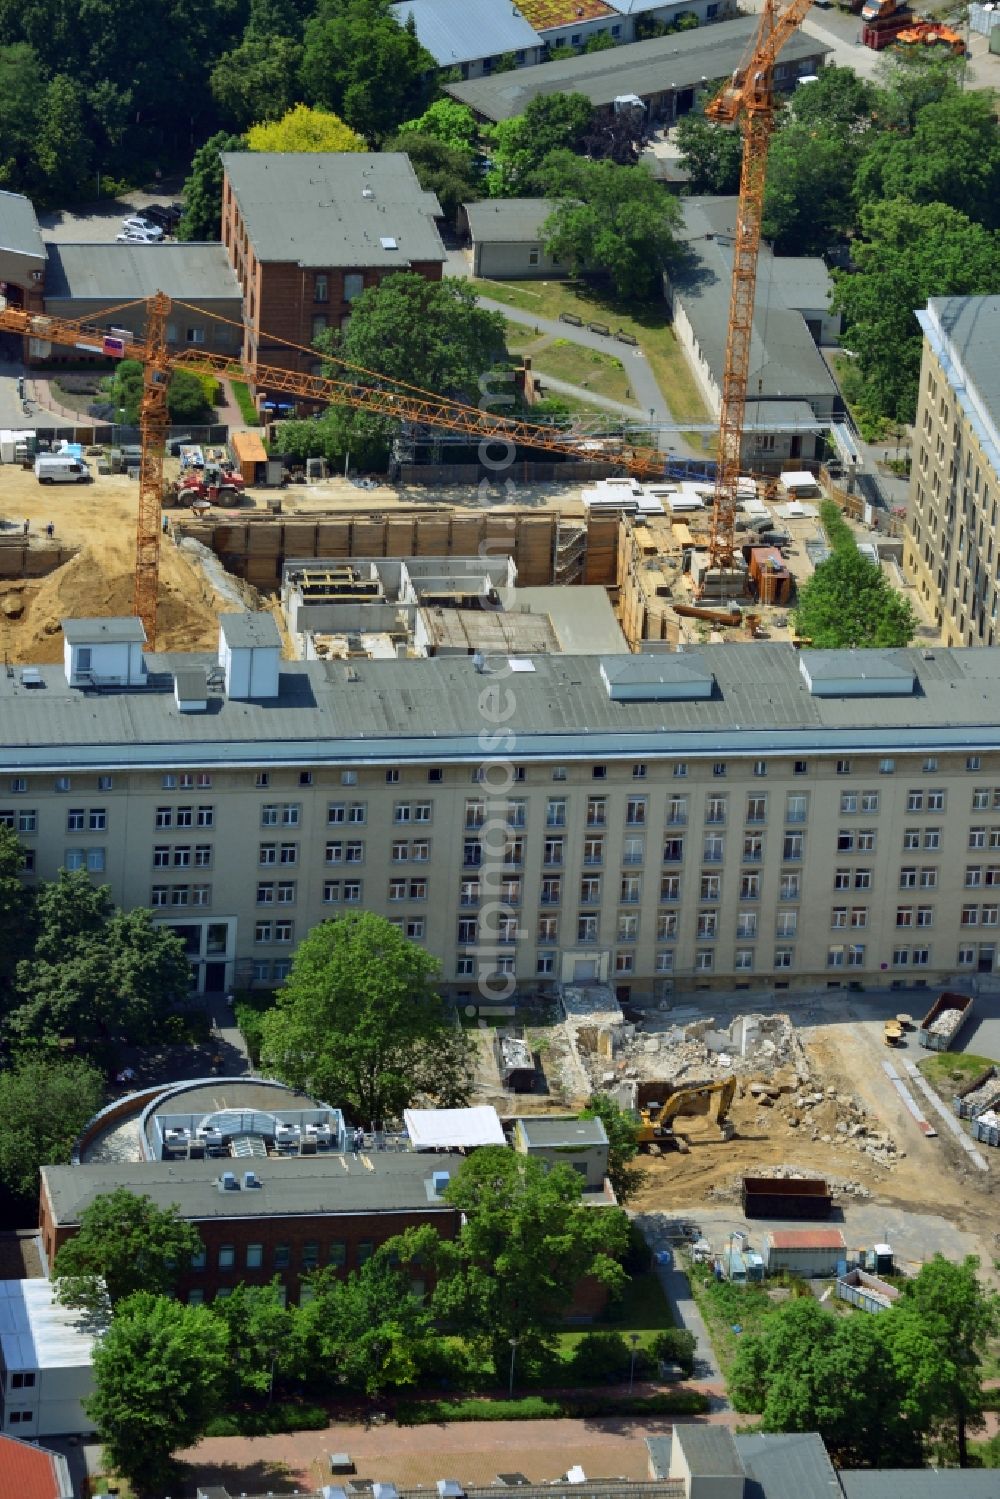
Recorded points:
(747,99)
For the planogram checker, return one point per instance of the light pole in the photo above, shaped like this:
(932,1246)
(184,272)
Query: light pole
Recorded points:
(513,1354)
(634,1339)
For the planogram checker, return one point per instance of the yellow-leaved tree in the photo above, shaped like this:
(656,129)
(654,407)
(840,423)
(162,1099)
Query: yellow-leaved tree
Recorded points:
(304,129)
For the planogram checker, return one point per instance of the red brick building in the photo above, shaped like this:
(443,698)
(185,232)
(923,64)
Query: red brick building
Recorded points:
(307,232)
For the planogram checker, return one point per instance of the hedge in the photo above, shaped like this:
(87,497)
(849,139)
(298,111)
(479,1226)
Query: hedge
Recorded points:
(270,1420)
(540,1408)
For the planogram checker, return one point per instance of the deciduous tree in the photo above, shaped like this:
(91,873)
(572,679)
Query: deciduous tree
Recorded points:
(447,121)
(847,603)
(447,171)
(159,1378)
(623,1145)
(125,1244)
(360,63)
(202,192)
(359,1022)
(304,129)
(908,253)
(261,1342)
(17,913)
(44,1103)
(810,179)
(609,218)
(951,156)
(257,81)
(519,146)
(711,153)
(367,1331)
(525,1243)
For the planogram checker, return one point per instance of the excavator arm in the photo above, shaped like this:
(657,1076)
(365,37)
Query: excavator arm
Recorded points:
(697,1099)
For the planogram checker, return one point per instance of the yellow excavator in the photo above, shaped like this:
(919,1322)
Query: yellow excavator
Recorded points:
(713,1098)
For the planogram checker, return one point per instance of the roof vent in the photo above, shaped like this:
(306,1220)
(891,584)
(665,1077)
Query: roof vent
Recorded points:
(440,1180)
(367,192)
(251,1179)
(31,677)
(228,1182)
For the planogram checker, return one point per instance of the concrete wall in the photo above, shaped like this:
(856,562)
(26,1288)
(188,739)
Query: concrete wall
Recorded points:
(502,261)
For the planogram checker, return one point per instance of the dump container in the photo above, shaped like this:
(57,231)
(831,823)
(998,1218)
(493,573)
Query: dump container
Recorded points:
(940,1026)
(975,1096)
(986,1126)
(786,1197)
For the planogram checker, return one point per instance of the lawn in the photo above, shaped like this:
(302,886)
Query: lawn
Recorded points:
(601,374)
(643,1309)
(244,400)
(948,1071)
(649,324)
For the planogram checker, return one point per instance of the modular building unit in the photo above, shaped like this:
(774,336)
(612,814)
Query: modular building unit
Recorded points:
(809,1252)
(45,1362)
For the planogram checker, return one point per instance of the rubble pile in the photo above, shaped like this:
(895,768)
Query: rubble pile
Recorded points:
(840,1186)
(981,1097)
(946,1023)
(749,1046)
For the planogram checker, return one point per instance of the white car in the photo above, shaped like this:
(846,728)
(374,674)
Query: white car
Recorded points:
(139,225)
(136,237)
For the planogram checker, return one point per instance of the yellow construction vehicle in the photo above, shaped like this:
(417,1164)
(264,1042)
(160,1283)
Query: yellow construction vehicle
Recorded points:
(693,1098)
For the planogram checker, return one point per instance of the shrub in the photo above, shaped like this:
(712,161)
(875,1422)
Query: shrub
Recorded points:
(535,1408)
(600,1358)
(675,1345)
(248,1010)
(243,399)
(269,1420)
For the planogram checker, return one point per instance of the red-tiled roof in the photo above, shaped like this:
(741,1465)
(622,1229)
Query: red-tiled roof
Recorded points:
(807,1238)
(28,1472)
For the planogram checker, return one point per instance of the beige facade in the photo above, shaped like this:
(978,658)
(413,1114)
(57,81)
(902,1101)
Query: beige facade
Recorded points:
(717,818)
(952,538)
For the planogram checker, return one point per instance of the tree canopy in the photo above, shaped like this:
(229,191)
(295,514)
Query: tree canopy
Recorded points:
(525,1243)
(360,1024)
(711,154)
(519,146)
(367,1330)
(159,1377)
(609,218)
(623,1145)
(908,252)
(360,63)
(304,129)
(125,1244)
(448,171)
(848,603)
(44,1103)
(447,121)
(202,193)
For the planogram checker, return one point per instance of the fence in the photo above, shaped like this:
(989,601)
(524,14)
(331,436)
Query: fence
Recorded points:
(110,435)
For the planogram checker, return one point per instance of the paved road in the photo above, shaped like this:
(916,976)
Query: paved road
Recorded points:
(677,1289)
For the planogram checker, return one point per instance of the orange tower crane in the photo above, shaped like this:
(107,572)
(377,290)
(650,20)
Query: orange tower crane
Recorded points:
(361,389)
(747,100)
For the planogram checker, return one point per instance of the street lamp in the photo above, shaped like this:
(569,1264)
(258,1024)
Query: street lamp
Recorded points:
(634,1339)
(513,1354)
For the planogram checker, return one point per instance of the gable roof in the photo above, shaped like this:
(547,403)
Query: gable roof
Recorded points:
(19,231)
(454,34)
(508,221)
(121,272)
(30,1472)
(334,208)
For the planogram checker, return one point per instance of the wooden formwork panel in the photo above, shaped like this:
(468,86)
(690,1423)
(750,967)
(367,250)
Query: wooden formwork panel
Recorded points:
(368,538)
(467,531)
(299,539)
(432,537)
(399,536)
(263,572)
(601,564)
(534,551)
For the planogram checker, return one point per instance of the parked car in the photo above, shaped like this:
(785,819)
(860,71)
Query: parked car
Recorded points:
(165,216)
(137,237)
(140,225)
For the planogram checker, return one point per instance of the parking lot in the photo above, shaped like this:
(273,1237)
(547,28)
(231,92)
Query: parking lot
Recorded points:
(97,223)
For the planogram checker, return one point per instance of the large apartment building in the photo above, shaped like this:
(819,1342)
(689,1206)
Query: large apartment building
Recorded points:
(952,539)
(740,814)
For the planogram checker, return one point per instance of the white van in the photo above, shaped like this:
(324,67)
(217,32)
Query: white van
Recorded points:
(61,468)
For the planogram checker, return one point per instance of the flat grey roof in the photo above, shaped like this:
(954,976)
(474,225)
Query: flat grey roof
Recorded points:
(644,68)
(656,667)
(299,1185)
(555,1132)
(508,221)
(397,712)
(96,631)
(883,666)
(310,208)
(19,231)
(710,1450)
(787,1465)
(250,630)
(784,360)
(582,616)
(920,1483)
(118,273)
(962,331)
(455,34)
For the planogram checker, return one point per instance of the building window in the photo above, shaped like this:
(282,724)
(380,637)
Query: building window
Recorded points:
(255,1256)
(321,287)
(195,335)
(227,1256)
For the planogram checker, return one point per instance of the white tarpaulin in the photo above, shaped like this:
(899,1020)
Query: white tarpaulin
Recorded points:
(450,1129)
(799,479)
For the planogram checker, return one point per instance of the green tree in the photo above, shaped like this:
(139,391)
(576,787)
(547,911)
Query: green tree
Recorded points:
(159,1376)
(909,252)
(125,1244)
(952,156)
(609,218)
(712,155)
(939,1333)
(519,146)
(911,81)
(449,172)
(367,1331)
(202,192)
(16,910)
(447,121)
(95,971)
(839,101)
(359,1022)
(186,400)
(848,603)
(623,1145)
(810,181)
(525,1243)
(62,147)
(304,129)
(262,1345)
(256,81)
(44,1104)
(22,104)
(360,63)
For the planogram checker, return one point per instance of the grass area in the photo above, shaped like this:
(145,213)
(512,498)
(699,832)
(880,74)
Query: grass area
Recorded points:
(540,1408)
(599,373)
(643,1310)
(948,1071)
(726,1307)
(243,399)
(648,324)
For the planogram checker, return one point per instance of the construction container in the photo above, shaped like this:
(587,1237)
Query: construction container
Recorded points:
(986,1124)
(940,1026)
(250,456)
(786,1197)
(515,1061)
(810,1252)
(974,1097)
(769,576)
(866,1291)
